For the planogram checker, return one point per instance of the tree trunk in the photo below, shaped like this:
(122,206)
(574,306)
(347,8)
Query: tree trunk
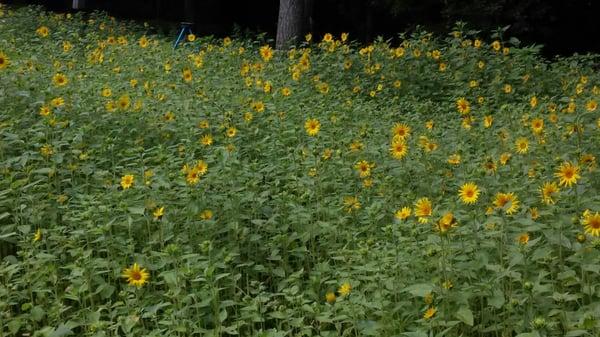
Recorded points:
(290,23)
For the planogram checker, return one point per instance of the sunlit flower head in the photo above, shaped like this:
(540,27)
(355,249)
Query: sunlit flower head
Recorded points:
(312,126)
(508,201)
(403,213)
(568,174)
(136,276)
(469,193)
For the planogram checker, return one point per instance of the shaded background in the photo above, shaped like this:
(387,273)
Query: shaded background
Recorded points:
(563,27)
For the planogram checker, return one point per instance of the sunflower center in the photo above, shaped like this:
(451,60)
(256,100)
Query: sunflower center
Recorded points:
(595,223)
(136,275)
(469,193)
(569,174)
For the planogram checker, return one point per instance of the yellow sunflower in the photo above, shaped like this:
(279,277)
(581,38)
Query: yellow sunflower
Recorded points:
(463,106)
(549,192)
(364,168)
(136,276)
(522,145)
(158,213)
(330,297)
(568,174)
(429,313)
(591,223)
(312,126)
(266,53)
(537,125)
(402,214)
(60,80)
(423,208)
(3,60)
(345,289)
(447,222)
(469,193)
(401,130)
(398,149)
(187,75)
(509,201)
(127,181)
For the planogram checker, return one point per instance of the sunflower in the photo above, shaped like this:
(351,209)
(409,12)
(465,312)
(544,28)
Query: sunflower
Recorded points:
(191,37)
(401,130)
(158,213)
(45,111)
(231,132)
(398,149)
(590,106)
(3,60)
(537,125)
(46,150)
(38,235)
(447,222)
(206,214)
(327,37)
(352,203)
(285,91)
(192,176)
(533,101)
(549,192)
(523,238)
(42,31)
(364,168)
(136,276)
(312,126)
(522,145)
(345,289)
(330,297)
(124,102)
(143,42)
(127,181)
(463,106)
(402,214)
(487,121)
(356,146)
(60,80)
(505,157)
(201,167)
(187,75)
(206,140)
(429,313)
(454,159)
(469,193)
(508,201)
(266,53)
(106,92)
(423,209)
(591,223)
(568,174)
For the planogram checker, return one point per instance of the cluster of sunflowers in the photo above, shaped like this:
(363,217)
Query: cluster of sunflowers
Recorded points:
(442,186)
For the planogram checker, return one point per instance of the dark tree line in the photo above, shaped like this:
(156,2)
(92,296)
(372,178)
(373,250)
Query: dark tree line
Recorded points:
(563,27)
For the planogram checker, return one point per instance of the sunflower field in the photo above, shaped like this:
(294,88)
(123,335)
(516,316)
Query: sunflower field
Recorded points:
(446,186)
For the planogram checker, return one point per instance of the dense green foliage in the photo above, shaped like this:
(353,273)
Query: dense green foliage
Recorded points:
(262,191)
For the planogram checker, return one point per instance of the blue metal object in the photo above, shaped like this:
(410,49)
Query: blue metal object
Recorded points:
(186,28)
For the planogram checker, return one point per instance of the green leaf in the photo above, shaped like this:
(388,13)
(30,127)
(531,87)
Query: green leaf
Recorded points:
(138,210)
(62,330)
(37,313)
(465,315)
(420,289)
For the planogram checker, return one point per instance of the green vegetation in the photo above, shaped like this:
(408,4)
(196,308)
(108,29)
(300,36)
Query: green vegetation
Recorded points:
(444,187)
